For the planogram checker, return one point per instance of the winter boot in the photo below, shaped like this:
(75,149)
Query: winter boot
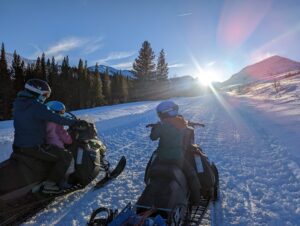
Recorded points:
(50,187)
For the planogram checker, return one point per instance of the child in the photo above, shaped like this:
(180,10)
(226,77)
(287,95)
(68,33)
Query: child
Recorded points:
(175,136)
(56,135)
(173,132)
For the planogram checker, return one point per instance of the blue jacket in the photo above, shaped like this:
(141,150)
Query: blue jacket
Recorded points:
(30,120)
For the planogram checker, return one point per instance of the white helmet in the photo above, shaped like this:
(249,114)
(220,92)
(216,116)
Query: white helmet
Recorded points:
(39,88)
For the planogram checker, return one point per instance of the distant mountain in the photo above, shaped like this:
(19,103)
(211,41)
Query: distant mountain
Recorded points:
(111,70)
(10,58)
(102,68)
(263,71)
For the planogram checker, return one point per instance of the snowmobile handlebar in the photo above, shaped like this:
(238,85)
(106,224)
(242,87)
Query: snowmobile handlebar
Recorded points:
(192,124)
(71,115)
(151,125)
(80,124)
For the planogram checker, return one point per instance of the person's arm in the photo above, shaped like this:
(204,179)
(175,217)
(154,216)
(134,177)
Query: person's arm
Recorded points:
(64,136)
(155,131)
(42,112)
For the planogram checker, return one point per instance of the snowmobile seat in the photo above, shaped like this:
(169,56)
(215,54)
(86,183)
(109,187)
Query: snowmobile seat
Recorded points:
(167,171)
(19,174)
(167,189)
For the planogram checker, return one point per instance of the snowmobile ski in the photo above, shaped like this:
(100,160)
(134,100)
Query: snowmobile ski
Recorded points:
(113,174)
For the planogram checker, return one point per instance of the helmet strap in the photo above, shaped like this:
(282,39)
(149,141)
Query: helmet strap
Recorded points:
(41,98)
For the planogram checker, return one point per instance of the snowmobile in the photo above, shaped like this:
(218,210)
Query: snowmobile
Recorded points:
(167,197)
(20,187)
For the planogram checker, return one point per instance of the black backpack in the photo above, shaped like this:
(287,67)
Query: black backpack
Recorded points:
(203,168)
(87,161)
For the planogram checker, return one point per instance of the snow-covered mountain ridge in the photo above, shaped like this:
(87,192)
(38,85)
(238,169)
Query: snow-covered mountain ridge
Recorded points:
(111,70)
(10,57)
(264,70)
(101,68)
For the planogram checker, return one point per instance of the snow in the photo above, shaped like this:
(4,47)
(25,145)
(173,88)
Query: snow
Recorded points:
(254,142)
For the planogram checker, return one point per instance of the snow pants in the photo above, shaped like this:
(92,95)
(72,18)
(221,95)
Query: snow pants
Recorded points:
(61,159)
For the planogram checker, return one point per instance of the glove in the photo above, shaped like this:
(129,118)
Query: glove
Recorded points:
(152,125)
(81,124)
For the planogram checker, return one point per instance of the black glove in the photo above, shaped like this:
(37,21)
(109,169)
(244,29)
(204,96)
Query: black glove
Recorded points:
(81,124)
(152,125)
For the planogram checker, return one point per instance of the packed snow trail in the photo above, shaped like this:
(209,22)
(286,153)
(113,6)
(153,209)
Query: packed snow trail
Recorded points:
(259,175)
(257,185)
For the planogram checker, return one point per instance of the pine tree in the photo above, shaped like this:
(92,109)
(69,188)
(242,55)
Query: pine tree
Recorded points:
(53,78)
(144,66)
(115,89)
(106,86)
(44,75)
(162,67)
(63,86)
(83,85)
(29,72)
(124,89)
(38,69)
(144,71)
(5,87)
(18,73)
(97,88)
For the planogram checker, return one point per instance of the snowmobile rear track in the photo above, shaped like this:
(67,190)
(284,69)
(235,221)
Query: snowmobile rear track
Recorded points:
(19,212)
(197,213)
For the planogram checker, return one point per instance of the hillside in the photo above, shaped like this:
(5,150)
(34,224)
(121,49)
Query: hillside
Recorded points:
(264,70)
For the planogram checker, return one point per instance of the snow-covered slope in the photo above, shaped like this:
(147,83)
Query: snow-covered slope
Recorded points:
(111,70)
(254,143)
(281,90)
(263,71)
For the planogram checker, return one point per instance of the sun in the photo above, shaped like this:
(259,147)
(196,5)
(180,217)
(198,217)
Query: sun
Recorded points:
(206,77)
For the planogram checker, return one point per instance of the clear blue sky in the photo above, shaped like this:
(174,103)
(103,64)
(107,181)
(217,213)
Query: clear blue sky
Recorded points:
(207,38)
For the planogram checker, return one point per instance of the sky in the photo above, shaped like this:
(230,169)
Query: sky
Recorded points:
(201,38)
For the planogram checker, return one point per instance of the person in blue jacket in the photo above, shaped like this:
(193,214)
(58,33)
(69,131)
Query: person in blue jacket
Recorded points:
(30,116)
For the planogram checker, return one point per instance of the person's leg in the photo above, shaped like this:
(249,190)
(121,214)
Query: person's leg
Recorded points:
(62,159)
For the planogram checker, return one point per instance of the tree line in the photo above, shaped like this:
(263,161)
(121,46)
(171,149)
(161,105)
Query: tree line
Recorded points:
(78,87)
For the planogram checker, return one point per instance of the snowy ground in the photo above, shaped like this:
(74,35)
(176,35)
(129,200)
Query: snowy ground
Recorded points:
(254,143)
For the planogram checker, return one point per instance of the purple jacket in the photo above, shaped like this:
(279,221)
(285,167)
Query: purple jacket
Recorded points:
(57,135)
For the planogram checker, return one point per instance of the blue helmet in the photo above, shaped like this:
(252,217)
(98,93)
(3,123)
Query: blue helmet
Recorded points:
(167,109)
(56,106)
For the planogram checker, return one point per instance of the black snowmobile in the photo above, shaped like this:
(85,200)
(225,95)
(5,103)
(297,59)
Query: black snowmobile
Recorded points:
(21,175)
(167,198)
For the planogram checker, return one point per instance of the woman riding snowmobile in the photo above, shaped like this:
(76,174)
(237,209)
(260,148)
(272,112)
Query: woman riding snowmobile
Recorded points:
(31,159)
(30,117)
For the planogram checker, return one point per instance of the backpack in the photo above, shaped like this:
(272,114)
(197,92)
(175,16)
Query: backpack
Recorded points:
(87,161)
(203,168)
